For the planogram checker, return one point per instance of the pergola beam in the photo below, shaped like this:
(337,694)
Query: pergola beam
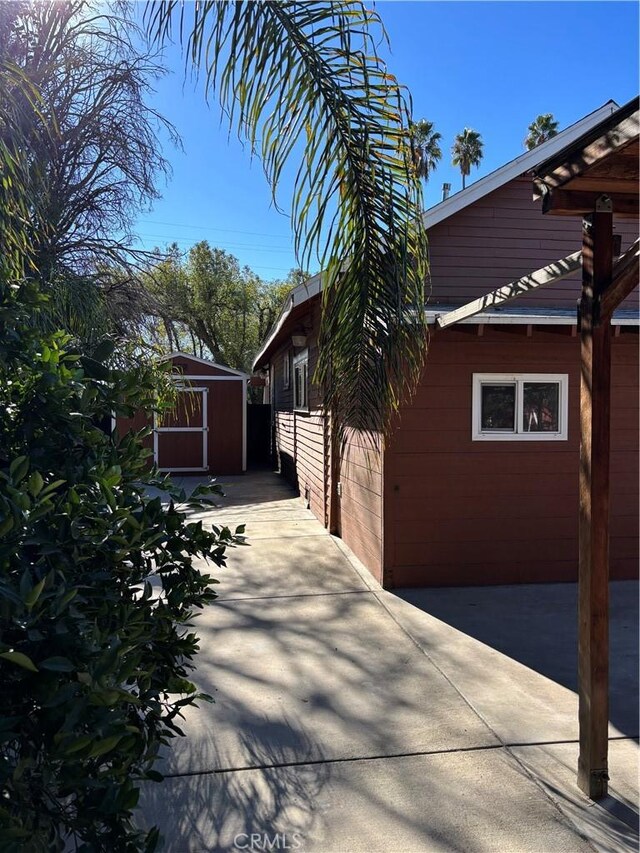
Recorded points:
(574,202)
(626,272)
(545,275)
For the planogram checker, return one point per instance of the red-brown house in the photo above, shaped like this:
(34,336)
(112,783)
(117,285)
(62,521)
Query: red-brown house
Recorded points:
(207,431)
(479,482)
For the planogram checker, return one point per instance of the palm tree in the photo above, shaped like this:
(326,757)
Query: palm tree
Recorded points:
(467,151)
(543,128)
(426,148)
(304,81)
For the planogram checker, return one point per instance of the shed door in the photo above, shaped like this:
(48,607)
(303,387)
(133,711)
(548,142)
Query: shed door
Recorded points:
(180,439)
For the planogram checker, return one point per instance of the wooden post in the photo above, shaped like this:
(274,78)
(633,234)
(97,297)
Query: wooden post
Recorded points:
(593,592)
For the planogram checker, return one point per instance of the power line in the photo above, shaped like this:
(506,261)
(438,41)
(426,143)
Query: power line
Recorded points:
(213,228)
(170,239)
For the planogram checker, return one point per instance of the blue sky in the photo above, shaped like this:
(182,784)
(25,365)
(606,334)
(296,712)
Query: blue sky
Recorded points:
(492,66)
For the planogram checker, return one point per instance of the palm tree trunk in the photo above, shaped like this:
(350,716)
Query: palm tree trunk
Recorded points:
(463,184)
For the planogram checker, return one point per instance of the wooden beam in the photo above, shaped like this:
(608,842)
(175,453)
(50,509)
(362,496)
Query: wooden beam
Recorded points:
(574,202)
(545,275)
(626,271)
(603,184)
(578,157)
(593,577)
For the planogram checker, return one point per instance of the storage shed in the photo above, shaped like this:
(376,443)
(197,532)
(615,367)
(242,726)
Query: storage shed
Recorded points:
(207,431)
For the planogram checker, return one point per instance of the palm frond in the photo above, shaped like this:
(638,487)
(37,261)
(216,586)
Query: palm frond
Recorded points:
(303,81)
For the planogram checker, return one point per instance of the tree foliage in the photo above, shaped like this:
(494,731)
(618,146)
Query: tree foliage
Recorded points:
(204,302)
(94,663)
(467,151)
(91,141)
(304,81)
(426,147)
(541,129)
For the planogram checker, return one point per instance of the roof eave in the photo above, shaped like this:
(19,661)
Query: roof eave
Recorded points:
(522,164)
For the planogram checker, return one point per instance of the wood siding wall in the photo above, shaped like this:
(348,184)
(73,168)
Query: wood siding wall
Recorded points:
(361,510)
(460,512)
(501,238)
(303,452)
(300,435)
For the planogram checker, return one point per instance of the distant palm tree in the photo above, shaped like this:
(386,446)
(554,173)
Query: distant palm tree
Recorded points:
(543,128)
(426,148)
(467,151)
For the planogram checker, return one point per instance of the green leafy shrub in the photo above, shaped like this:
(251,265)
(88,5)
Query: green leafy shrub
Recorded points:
(94,662)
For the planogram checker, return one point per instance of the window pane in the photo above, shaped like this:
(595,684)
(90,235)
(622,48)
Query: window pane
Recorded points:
(305,386)
(498,407)
(541,404)
(297,379)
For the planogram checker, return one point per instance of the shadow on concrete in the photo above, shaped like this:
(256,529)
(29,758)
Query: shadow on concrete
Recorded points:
(536,625)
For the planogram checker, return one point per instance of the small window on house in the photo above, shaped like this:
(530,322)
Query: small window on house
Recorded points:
(520,407)
(286,370)
(301,381)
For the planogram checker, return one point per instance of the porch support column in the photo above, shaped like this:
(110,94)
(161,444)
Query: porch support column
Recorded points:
(593,592)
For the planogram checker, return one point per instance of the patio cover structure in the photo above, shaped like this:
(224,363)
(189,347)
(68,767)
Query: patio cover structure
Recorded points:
(594,177)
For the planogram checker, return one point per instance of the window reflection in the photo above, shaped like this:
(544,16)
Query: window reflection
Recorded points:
(540,404)
(498,407)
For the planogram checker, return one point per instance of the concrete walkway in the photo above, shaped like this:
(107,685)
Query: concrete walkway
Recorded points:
(347,718)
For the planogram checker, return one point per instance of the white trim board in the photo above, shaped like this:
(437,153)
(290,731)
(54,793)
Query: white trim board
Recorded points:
(533,318)
(207,377)
(207,361)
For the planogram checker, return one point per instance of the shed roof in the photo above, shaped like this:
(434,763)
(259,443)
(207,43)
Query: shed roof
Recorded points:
(209,362)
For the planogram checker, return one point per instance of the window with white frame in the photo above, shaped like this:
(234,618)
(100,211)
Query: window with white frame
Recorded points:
(286,370)
(519,407)
(301,381)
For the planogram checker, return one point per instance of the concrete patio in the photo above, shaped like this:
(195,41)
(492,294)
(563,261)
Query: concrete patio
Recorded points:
(347,718)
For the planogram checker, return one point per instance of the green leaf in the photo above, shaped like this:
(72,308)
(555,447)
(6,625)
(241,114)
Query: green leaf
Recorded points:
(34,594)
(19,659)
(77,744)
(154,776)
(19,468)
(6,525)
(57,664)
(101,747)
(35,483)
(50,487)
(104,350)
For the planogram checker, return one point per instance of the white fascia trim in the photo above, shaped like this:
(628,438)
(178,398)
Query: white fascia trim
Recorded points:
(302,293)
(206,361)
(524,163)
(504,319)
(207,377)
